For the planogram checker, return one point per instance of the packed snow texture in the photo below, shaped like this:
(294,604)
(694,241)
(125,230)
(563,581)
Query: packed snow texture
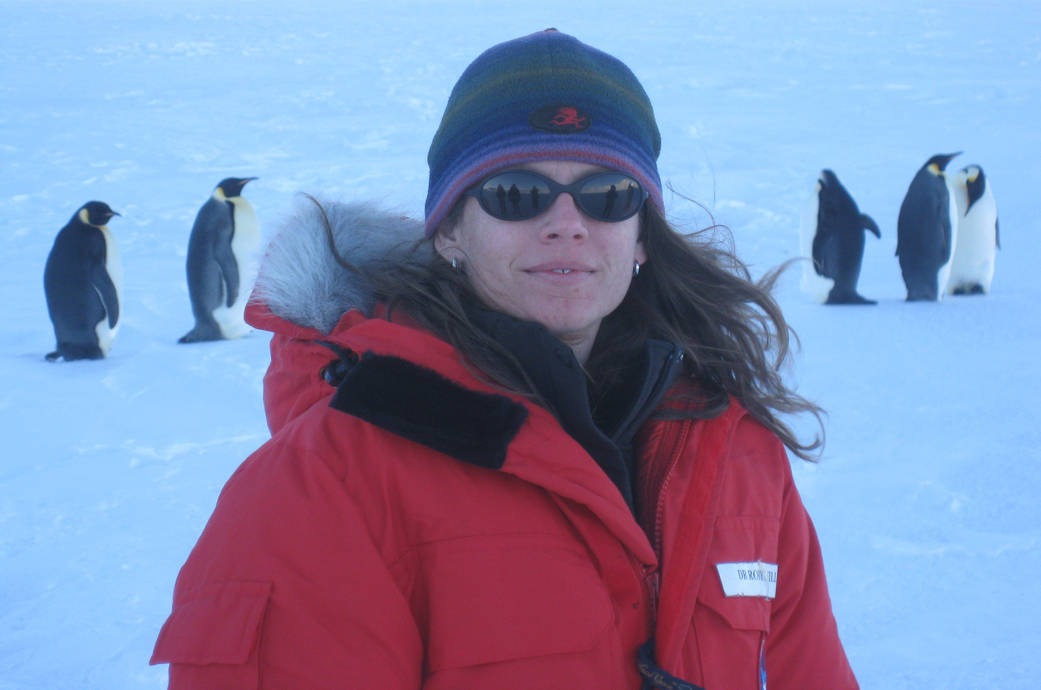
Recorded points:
(926,495)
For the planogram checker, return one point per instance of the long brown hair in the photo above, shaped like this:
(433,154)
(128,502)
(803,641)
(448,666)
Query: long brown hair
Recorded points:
(695,291)
(692,291)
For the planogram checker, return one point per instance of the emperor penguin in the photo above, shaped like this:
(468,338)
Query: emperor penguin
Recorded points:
(972,267)
(832,232)
(926,231)
(221,262)
(82,281)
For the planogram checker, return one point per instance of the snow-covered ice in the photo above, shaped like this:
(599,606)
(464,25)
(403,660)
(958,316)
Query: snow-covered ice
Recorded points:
(926,497)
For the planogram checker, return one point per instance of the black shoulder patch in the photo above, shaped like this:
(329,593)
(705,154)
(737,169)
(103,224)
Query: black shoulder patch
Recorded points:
(421,405)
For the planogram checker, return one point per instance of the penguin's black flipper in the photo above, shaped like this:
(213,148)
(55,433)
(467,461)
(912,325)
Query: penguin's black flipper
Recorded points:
(229,266)
(824,248)
(948,239)
(106,289)
(869,224)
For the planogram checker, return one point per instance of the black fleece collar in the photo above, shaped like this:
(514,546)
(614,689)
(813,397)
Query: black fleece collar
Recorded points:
(417,403)
(561,381)
(421,405)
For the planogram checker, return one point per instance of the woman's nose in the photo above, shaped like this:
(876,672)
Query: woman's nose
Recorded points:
(563,219)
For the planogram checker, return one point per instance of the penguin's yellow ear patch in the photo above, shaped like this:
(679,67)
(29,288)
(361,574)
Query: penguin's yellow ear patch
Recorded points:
(84,216)
(974,174)
(935,169)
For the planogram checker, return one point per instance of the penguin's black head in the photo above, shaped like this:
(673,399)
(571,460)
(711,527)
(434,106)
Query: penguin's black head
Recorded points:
(829,178)
(97,213)
(975,182)
(232,186)
(940,161)
(834,201)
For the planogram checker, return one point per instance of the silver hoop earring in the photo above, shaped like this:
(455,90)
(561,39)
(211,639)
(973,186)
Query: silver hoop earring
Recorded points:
(455,264)
(636,268)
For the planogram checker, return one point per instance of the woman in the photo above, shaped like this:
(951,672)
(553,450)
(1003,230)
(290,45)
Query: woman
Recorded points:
(538,449)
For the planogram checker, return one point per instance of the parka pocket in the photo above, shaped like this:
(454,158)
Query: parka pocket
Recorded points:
(513,598)
(740,613)
(216,625)
(730,630)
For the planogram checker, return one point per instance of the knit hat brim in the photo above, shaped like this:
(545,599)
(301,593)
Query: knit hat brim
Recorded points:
(546,96)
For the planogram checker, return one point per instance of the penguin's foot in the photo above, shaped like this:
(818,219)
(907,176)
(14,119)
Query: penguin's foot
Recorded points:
(969,289)
(847,297)
(201,335)
(922,294)
(73,351)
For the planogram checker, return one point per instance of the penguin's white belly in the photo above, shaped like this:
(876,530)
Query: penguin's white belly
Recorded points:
(114,267)
(244,244)
(973,263)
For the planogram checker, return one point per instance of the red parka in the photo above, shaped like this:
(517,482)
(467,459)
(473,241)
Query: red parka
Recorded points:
(416,528)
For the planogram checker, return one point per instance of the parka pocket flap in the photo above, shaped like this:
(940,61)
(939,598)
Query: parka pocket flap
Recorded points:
(740,543)
(741,613)
(215,624)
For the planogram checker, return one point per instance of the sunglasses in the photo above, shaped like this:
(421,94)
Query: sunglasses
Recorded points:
(610,197)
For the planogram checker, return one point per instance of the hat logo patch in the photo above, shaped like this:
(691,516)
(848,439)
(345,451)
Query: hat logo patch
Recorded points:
(560,119)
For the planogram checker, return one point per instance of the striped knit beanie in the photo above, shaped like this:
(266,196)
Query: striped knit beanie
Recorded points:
(546,96)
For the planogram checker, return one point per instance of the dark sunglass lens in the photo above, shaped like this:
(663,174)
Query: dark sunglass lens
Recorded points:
(610,197)
(515,195)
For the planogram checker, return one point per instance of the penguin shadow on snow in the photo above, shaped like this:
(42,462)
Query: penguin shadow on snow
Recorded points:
(832,242)
(82,282)
(221,262)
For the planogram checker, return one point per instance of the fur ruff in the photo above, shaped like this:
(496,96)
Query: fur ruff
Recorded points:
(300,279)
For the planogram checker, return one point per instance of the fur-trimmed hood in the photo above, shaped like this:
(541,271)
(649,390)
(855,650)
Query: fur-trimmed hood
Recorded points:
(300,279)
(309,301)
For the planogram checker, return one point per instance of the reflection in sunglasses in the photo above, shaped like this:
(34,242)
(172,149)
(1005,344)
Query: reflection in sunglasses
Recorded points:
(597,195)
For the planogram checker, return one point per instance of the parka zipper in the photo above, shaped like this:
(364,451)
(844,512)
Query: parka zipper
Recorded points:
(639,413)
(668,374)
(654,581)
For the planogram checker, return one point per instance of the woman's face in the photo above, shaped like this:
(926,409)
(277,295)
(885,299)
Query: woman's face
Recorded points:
(562,268)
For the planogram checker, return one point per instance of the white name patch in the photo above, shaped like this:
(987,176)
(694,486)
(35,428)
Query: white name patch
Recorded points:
(756,579)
